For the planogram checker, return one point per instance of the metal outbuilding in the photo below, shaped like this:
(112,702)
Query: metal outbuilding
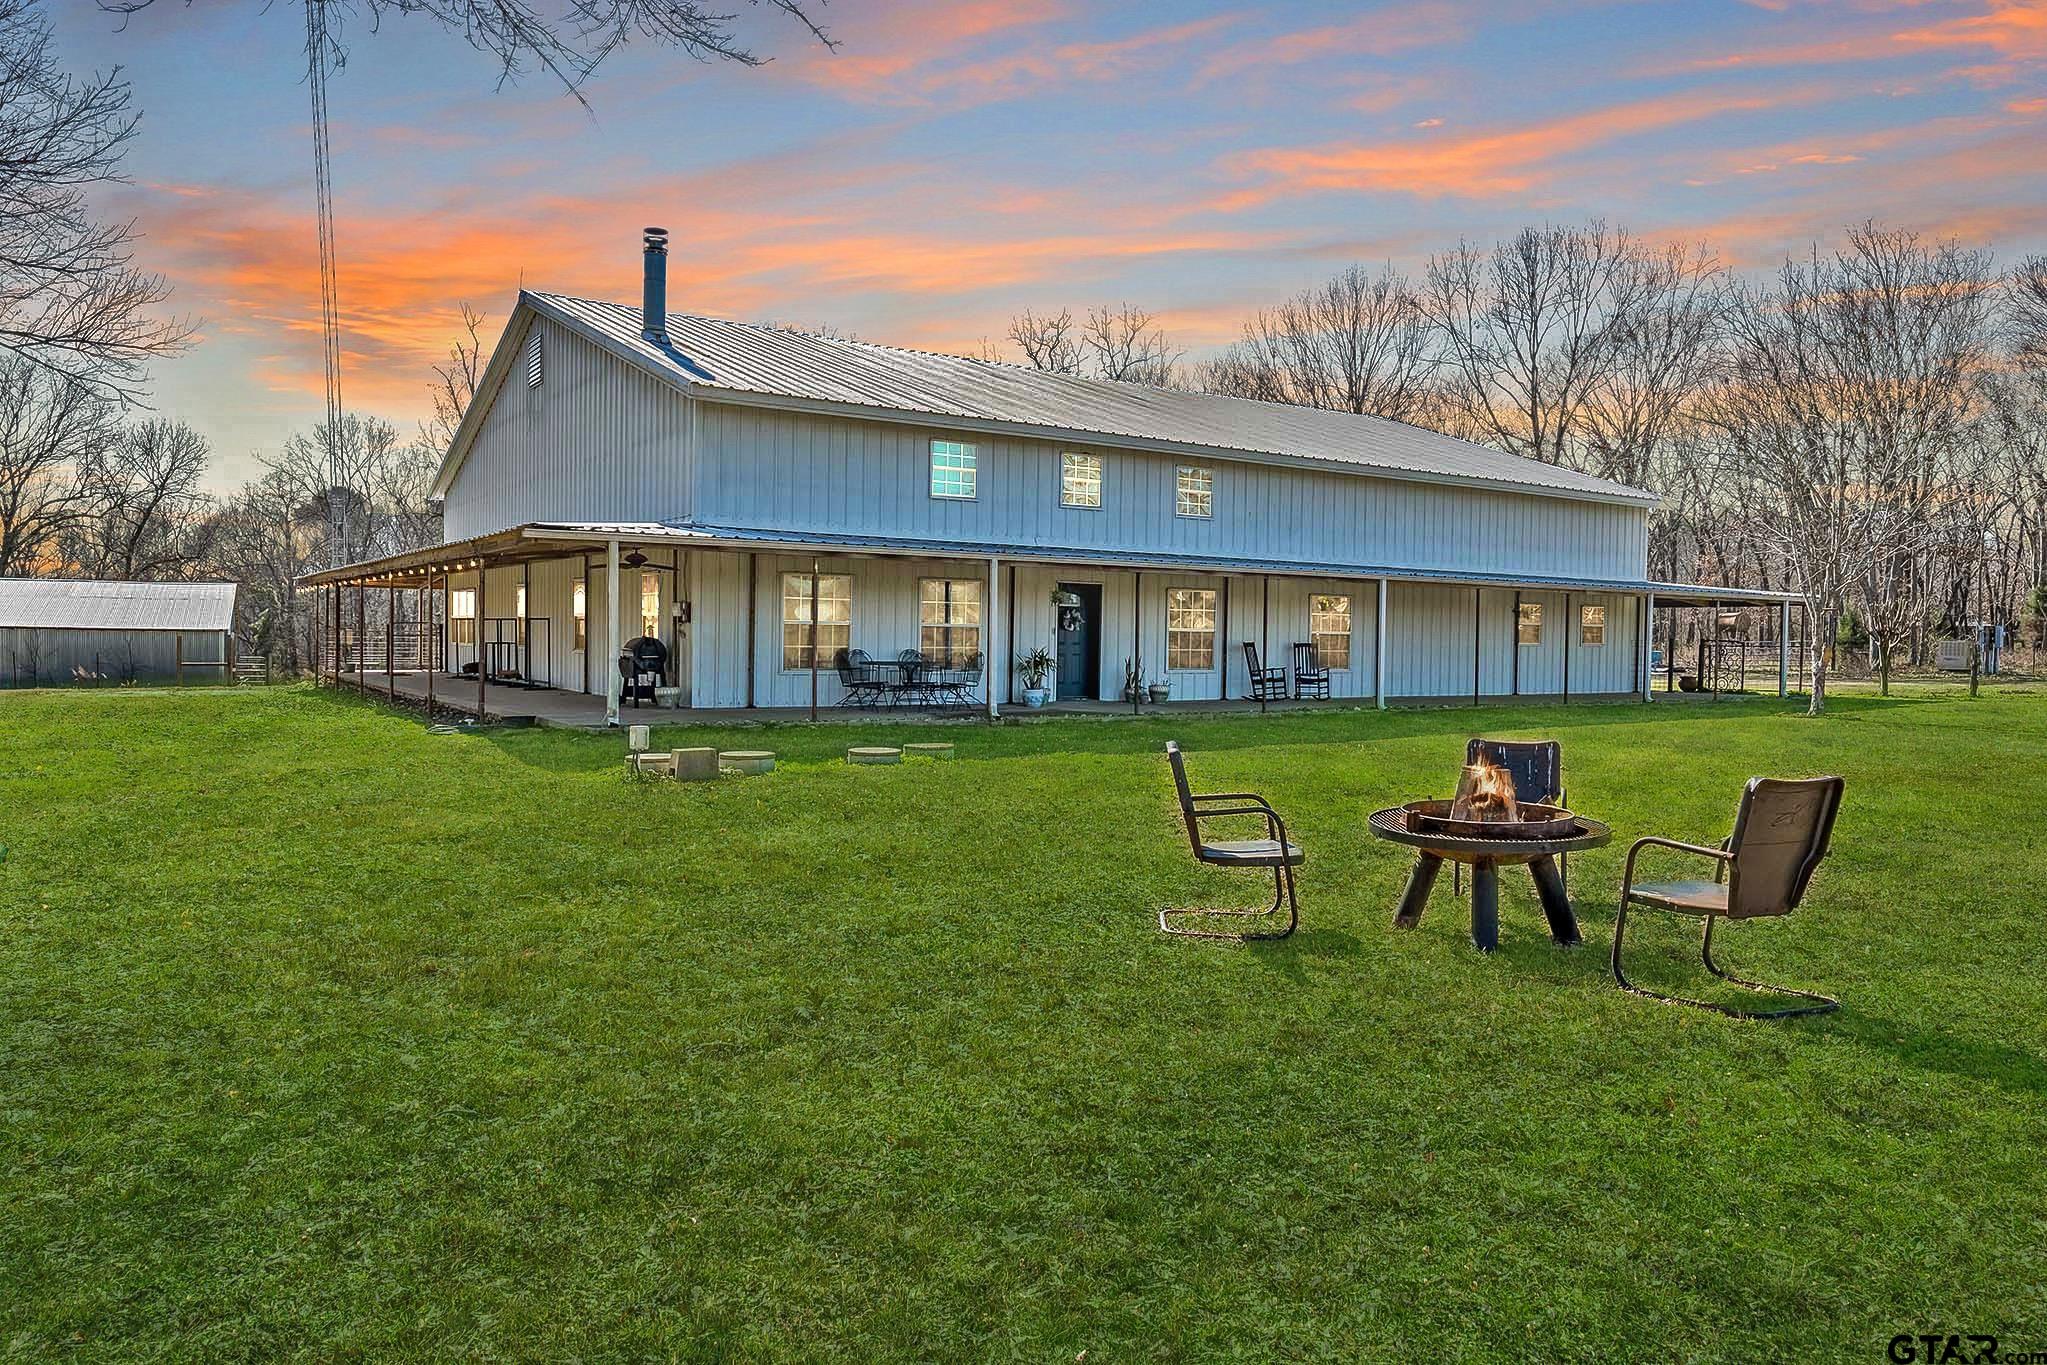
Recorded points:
(57,631)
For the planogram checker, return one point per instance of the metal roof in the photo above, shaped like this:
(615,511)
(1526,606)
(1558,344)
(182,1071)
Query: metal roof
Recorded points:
(71,604)
(741,362)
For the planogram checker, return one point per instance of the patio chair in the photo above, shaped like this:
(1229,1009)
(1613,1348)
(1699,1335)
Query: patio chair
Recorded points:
(1537,767)
(1267,684)
(915,684)
(858,679)
(1311,679)
(961,682)
(1275,851)
(1780,834)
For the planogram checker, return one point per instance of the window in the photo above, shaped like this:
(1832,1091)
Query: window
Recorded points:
(462,616)
(1329,628)
(950,617)
(834,619)
(582,627)
(952,469)
(521,614)
(1528,630)
(1190,628)
(1080,480)
(650,603)
(533,360)
(1193,492)
(1592,624)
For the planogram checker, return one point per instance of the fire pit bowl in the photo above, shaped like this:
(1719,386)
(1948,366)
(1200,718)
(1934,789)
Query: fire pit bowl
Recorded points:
(1536,821)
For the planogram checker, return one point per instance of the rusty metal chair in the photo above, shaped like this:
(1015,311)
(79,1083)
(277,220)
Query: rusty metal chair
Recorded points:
(1267,684)
(1537,767)
(1780,834)
(1275,851)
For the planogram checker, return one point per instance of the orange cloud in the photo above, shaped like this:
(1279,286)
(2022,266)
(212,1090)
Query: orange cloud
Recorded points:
(1378,34)
(2014,30)
(1477,165)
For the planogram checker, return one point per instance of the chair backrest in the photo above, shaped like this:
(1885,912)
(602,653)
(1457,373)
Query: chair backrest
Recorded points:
(843,661)
(1304,659)
(1251,658)
(1780,834)
(972,666)
(909,656)
(1536,765)
(1186,796)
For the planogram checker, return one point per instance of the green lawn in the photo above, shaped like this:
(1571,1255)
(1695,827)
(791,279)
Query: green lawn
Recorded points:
(321,1035)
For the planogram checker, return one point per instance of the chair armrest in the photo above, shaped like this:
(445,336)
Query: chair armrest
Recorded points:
(1720,856)
(1275,826)
(1232,796)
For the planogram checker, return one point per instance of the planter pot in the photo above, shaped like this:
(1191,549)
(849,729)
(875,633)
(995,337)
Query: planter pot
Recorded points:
(1161,694)
(1035,697)
(1133,695)
(668,698)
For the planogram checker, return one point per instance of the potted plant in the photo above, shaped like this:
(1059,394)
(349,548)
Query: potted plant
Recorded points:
(1034,667)
(1161,690)
(1133,680)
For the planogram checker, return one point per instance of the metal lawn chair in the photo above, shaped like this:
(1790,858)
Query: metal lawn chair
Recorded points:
(961,682)
(1781,831)
(1537,767)
(1275,851)
(858,678)
(1311,679)
(1267,684)
(914,687)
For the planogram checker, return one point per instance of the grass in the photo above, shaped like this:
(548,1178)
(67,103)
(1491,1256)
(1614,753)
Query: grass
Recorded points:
(323,1036)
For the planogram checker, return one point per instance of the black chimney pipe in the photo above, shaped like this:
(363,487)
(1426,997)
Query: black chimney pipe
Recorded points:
(654,289)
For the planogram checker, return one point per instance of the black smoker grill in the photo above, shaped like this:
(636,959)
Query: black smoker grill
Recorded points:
(643,664)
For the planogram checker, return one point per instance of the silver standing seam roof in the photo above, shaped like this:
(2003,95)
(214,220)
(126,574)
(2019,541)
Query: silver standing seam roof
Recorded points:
(747,362)
(73,604)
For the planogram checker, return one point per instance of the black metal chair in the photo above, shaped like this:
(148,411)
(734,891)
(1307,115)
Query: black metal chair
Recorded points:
(1267,684)
(914,686)
(1311,679)
(1781,832)
(959,683)
(1275,851)
(1537,768)
(859,681)
(642,658)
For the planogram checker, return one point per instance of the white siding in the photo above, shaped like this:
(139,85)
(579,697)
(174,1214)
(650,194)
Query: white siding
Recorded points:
(771,470)
(596,440)
(33,656)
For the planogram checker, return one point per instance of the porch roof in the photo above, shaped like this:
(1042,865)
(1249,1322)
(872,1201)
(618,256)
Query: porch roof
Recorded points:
(553,540)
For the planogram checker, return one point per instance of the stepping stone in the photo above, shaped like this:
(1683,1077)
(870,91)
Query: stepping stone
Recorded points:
(663,764)
(928,750)
(695,765)
(873,754)
(748,760)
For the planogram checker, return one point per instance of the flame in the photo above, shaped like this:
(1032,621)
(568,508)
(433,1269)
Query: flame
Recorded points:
(1489,792)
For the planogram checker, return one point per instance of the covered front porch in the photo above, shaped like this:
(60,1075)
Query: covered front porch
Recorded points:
(533,622)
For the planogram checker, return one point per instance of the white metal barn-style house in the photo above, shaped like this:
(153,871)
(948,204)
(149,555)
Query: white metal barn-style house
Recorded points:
(760,499)
(59,631)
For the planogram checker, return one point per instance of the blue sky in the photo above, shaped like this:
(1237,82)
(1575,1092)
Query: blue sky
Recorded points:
(954,163)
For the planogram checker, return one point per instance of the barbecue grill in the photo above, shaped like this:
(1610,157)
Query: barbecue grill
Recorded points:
(643,657)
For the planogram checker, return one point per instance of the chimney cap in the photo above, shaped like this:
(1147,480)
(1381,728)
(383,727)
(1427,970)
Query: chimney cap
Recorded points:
(656,236)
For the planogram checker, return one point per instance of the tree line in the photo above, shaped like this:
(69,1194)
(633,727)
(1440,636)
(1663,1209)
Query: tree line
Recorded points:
(1866,426)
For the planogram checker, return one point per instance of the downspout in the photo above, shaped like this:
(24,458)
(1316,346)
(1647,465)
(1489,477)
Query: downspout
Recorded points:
(1379,652)
(611,628)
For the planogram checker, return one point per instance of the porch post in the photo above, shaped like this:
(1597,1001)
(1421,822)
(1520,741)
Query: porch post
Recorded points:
(362,631)
(752,622)
(587,597)
(1570,634)
(1137,636)
(391,640)
(1645,638)
(525,635)
(1783,649)
(1515,686)
(1478,637)
(1009,659)
(1226,639)
(429,637)
(995,591)
(814,570)
(1379,652)
(482,652)
(612,598)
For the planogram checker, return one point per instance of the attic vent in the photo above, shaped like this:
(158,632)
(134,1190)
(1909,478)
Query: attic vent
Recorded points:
(533,360)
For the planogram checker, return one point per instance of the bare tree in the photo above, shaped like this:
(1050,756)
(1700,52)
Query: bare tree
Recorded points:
(1847,401)
(71,301)
(454,382)
(1359,343)
(50,427)
(1657,354)
(361,477)
(1047,341)
(2028,309)
(1125,343)
(143,504)
(1528,332)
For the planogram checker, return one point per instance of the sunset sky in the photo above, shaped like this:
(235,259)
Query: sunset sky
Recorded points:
(954,163)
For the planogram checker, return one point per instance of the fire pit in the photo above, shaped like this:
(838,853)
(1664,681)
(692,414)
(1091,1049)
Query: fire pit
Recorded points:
(1486,828)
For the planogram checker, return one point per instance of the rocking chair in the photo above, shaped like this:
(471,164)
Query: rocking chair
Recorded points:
(1274,851)
(1780,834)
(1267,684)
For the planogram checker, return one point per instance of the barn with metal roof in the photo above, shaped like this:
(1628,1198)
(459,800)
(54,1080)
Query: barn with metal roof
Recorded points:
(57,631)
(747,510)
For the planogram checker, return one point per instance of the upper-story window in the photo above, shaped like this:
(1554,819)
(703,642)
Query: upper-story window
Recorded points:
(1193,492)
(1080,480)
(952,469)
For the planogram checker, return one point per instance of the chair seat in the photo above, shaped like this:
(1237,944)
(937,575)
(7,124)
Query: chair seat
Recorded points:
(1251,853)
(1687,898)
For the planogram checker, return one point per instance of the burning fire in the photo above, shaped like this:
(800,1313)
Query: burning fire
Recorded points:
(1486,793)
